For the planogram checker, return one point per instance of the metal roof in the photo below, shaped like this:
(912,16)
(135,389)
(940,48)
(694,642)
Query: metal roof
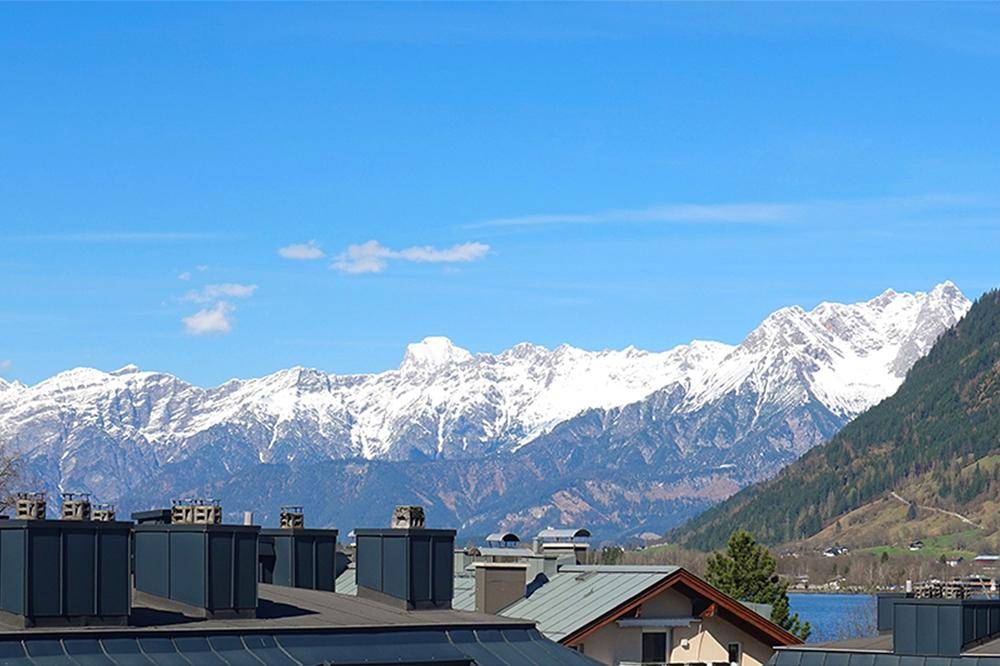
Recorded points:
(578,595)
(509,551)
(503,537)
(293,627)
(455,647)
(463,596)
(566,533)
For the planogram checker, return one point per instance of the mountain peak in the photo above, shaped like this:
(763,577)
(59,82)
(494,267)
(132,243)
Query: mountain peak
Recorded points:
(434,351)
(129,369)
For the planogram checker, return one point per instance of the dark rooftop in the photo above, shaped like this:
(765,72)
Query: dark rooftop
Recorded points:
(295,627)
(287,609)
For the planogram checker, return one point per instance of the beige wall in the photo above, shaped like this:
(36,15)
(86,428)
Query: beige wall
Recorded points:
(707,640)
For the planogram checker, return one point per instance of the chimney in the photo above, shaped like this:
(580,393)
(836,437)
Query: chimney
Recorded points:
(294,556)
(195,564)
(76,506)
(407,565)
(63,572)
(195,511)
(30,506)
(407,518)
(103,513)
(499,584)
(292,517)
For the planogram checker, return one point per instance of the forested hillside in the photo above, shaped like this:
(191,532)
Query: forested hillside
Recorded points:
(933,432)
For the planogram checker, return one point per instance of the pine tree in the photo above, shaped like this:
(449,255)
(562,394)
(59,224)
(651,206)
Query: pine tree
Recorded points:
(746,571)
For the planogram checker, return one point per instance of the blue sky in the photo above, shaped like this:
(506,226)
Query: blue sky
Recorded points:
(601,175)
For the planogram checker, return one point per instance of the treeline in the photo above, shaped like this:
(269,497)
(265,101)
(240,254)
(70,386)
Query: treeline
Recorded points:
(946,412)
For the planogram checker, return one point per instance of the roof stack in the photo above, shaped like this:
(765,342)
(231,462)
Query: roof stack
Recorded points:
(29,506)
(76,506)
(563,542)
(294,556)
(407,565)
(194,562)
(58,572)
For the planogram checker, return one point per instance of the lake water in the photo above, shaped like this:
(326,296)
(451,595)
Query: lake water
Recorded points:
(834,616)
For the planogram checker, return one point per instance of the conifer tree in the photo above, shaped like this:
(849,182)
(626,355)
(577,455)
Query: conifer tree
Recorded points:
(746,572)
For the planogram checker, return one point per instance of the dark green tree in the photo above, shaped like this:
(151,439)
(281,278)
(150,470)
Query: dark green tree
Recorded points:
(746,571)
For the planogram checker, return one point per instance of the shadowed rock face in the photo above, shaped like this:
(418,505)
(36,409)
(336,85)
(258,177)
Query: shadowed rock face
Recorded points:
(622,441)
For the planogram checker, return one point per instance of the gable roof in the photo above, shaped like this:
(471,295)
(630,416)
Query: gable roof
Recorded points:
(581,599)
(579,595)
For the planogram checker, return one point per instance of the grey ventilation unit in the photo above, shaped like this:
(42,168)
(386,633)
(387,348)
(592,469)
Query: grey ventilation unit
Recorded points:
(76,506)
(942,627)
(407,567)
(205,569)
(29,506)
(59,572)
(294,556)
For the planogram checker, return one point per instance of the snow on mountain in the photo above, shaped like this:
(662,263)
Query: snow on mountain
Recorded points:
(116,433)
(849,357)
(441,402)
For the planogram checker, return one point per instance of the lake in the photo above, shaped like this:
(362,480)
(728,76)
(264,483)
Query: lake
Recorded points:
(835,616)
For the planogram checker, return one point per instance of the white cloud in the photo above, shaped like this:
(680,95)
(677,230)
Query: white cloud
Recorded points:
(5,364)
(208,321)
(185,276)
(302,251)
(750,212)
(373,257)
(740,212)
(211,292)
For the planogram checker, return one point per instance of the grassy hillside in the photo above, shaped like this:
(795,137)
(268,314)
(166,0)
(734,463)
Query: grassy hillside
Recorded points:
(936,442)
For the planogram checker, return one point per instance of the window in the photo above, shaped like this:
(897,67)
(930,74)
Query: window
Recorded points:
(734,653)
(654,647)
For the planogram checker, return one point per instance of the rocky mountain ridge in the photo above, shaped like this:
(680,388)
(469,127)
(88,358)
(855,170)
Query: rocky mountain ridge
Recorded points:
(686,426)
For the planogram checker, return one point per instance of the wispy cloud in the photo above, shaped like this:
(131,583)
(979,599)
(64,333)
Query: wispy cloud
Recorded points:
(302,251)
(739,212)
(373,257)
(185,276)
(119,237)
(212,292)
(746,212)
(5,365)
(214,320)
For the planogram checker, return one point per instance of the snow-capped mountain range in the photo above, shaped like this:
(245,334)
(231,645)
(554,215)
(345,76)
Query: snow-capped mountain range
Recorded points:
(134,436)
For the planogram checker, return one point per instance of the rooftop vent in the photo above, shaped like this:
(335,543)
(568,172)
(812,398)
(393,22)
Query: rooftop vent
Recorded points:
(205,569)
(196,511)
(409,566)
(503,539)
(76,506)
(59,572)
(103,513)
(407,518)
(294,556)
(563,541)
(942,627)
(292,517)
(29,506)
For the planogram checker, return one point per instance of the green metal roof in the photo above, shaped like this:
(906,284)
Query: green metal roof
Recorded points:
(578,595)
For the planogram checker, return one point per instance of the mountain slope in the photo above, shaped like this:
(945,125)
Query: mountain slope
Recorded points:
(943,419)
(624,441)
